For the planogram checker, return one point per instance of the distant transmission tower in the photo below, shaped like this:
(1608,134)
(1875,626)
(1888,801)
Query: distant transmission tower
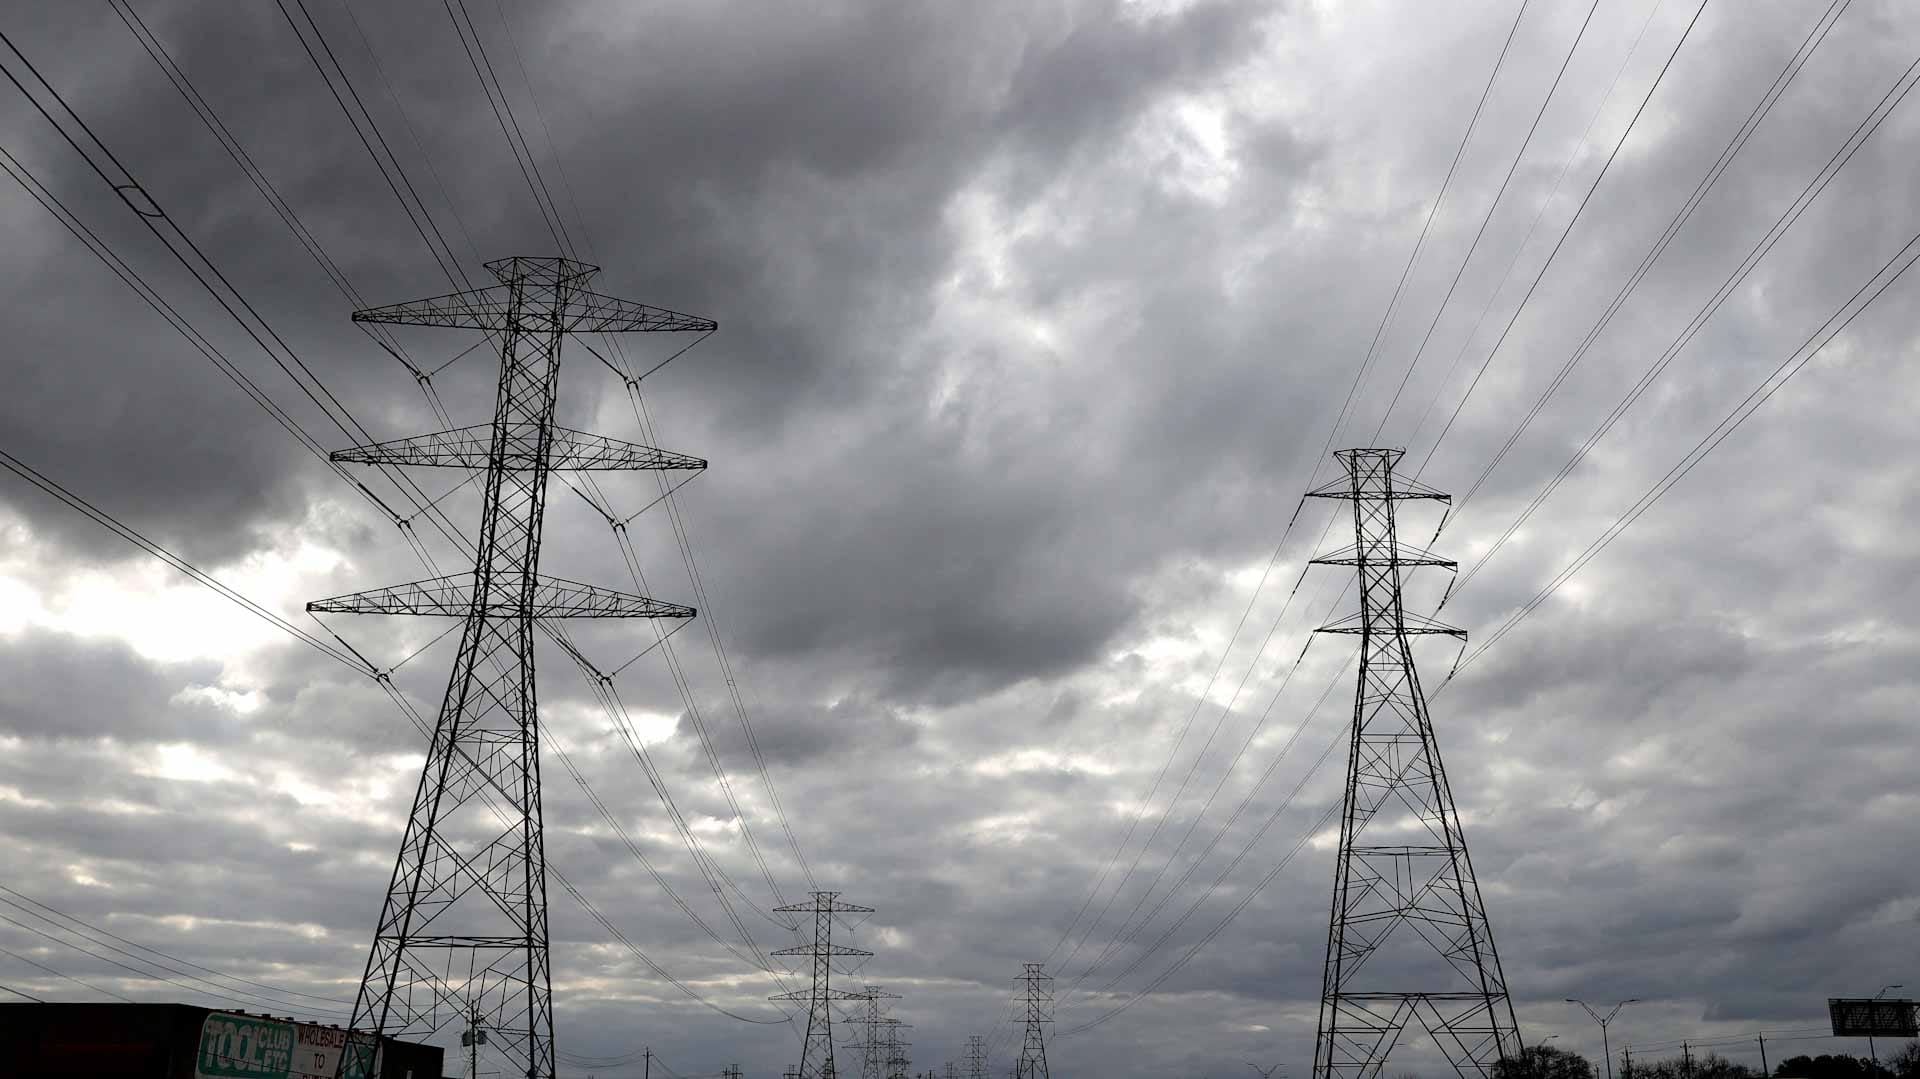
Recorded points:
(1039,1001)
(816,1052)
(463,930)
(897,1060)
(976,1057)
(873,1058)
(1415,876)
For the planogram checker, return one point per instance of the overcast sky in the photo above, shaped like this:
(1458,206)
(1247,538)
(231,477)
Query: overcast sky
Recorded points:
(1035,318)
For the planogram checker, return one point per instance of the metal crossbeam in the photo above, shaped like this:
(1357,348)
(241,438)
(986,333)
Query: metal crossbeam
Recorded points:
(472,447)
(454,597)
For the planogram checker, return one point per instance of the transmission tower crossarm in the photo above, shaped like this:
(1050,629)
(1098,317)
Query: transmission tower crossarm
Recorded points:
(1404,554)
(453,597)
(472,447)
(576,311)
(1404,487)
(1414,624)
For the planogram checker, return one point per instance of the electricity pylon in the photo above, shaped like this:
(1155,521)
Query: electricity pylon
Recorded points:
(464,922)
(1415,876)
(976,1057)
(897,1060)
(816,1052)
(873,1056)
(1039,1002)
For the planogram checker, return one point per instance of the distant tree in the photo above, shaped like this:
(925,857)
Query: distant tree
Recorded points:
(1544,1062)
(1711,1066)
(1832,1066)
(1905,1064)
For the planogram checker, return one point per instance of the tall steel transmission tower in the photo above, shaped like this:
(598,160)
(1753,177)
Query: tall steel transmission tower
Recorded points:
(897,1060)
(1038,998)
(1412,874)
(976,1057)
(816,1052)
(463,929)
(873,1055)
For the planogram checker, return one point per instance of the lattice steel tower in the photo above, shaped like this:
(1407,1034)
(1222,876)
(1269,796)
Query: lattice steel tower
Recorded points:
(816,1052)
(976,1057)
(463,930)
(1039,1002)
(873,1056)
(1412,872)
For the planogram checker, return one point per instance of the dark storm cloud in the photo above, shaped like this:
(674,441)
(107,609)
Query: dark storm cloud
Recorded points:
(1033,317)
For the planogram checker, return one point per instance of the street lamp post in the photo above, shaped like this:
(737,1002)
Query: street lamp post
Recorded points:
(1605,1046)
(1871,1053)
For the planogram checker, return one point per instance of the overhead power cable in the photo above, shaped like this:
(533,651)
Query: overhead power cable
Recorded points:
(1728,286)
(219,993)
(60,974)
(1485,220)
(1795,63)
(64,916)
(1862,298)
(1575,151)
(1578,212)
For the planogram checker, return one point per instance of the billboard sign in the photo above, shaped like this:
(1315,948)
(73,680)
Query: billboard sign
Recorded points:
(260,1047)
(1859,1017)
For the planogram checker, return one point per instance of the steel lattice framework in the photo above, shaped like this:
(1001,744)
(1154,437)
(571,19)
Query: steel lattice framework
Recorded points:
(976,1057)
(463,929)
(816,1052)
(873,1055)
(1415,877)
(1038,998)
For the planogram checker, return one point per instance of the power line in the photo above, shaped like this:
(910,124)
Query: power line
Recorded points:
(1761,109)
(219,993)
(59,974)
(1553,192)
(145,948)
(1788,218)
(1487,218)
(1885,276)
(1564,233)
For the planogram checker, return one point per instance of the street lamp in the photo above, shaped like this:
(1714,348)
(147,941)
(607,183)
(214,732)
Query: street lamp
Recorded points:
(1265,1073)
(1605,1046)
(1871,1054)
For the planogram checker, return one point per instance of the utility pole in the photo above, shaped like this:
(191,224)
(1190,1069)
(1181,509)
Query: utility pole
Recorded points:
(976,1057)
(646,1071)
(1443,972)
(1039,1001)
(1626,1063)
(816,1052)
(1686,1059)
(473,1038)
(469,888)
(1605,1048)
(1764,1070)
